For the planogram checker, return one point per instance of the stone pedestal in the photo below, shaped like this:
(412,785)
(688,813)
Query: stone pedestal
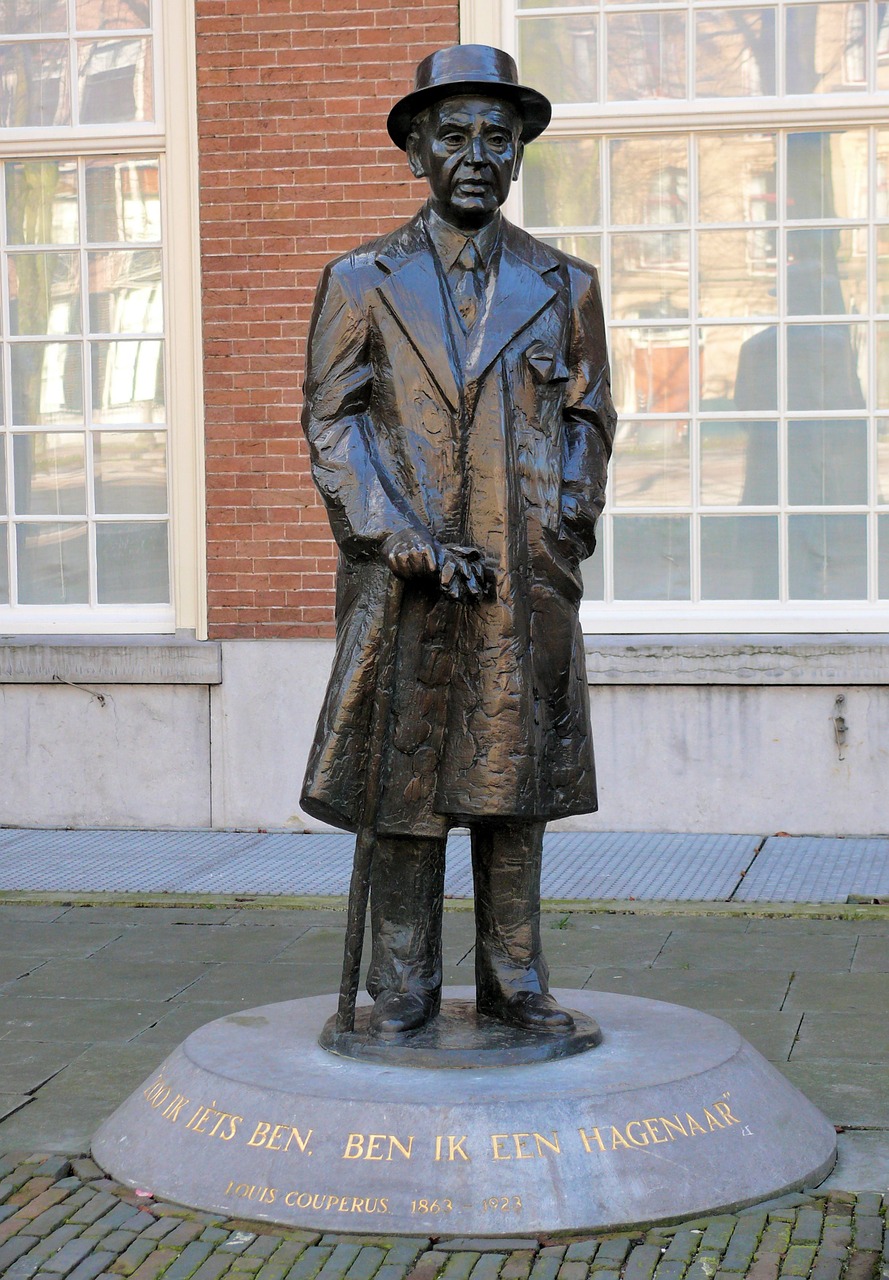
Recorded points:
(672,1115)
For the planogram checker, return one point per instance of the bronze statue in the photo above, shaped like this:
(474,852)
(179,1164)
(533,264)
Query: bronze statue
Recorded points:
(458,409)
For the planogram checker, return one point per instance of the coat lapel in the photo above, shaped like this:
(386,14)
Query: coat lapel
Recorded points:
(521,291)
(412,292)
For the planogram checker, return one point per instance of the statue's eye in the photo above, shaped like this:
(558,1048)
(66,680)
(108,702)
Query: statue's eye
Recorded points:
(453,140)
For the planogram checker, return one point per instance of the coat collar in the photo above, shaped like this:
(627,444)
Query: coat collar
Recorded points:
(412,290)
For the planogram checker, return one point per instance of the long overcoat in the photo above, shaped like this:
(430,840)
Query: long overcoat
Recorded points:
(481,441)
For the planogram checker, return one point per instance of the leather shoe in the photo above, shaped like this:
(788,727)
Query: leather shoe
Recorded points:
(530,1011)
(395,1012)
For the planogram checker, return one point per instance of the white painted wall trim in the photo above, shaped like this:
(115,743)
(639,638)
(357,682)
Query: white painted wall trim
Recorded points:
(101,660)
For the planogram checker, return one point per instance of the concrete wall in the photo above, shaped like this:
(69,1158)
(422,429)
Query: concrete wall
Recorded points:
(691,735)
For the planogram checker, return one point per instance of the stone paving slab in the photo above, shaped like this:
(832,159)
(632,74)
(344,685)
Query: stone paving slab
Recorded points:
(61,1217)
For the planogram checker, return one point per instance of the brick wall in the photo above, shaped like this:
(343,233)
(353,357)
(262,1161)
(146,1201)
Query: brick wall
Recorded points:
(295,167)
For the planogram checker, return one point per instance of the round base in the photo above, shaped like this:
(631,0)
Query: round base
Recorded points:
(674,1115)
(459,1036)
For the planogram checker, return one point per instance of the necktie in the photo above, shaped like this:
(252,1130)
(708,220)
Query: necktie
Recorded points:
(468,284)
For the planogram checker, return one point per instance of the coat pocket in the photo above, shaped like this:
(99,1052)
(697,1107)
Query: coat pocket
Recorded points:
(546,364)
(551,563)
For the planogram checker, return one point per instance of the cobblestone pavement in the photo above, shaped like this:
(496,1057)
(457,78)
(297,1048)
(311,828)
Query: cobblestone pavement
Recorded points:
(62,1218)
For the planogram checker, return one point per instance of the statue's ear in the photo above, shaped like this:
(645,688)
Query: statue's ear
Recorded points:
(413,157)
(519,156)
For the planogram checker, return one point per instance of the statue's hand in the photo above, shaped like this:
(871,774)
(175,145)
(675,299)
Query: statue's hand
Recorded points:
(462,573)
(410,553)
(578,528)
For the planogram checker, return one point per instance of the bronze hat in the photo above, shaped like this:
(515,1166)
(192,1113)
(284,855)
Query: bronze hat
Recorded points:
(469,68)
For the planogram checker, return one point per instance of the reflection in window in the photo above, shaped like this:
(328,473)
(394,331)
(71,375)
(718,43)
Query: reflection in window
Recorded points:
(828,557)
(652,559)
(53,563)
(735,52)
(739,558)
(560,57)
(646,56)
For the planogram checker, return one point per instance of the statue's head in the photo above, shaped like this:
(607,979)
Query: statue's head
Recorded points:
(464,127)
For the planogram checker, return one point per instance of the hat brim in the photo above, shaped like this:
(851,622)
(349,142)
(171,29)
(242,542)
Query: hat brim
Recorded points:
(535,110)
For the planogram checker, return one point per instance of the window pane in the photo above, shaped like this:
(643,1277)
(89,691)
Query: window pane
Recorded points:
(883,269)
(649,181)
(827,272)
(736,177)
(114,81)
(3,487)
(34,85)
(826,50)
(128,381)
(130,472)
(882,45)
(882,356)
(883,553)
(739,464)
(827,463)
(4,567)
(826,366)
(41,202)
(122,201)
(828,557)
(650,464)
(736,274)
(52,563)
(49,473)
(47,383)
(738,367)
(111,15)
(651,558)
(561,183)
(132,563)
(650,370)
(827,174)
(44,293)
(593,571)
(735,52)
(558,56)
(646,56)
(883,460)
(125,291)
(649,275)
(33,17)
(739,557)
(587,248)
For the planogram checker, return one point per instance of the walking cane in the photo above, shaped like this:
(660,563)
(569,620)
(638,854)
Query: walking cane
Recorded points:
(359,887)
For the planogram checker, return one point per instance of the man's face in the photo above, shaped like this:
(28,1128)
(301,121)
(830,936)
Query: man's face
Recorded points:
(468,150)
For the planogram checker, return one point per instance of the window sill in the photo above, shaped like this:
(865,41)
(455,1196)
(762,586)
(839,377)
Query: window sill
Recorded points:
(177,659)
(737,660)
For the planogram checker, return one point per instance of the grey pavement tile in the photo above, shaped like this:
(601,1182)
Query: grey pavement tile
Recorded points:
(812,953)
(58,938)
(322,944)
(200,944)
(772,1034)
(67,1111)
(871,954)
(790,926)
(868,992)
(60,1019)
(708,991)
(27,1064)
(19,966)
(183,1018)
(130,917)
(862,1162)
(12,1102)
(630,948)
(856,1095)
(572,977)
(255,984)
(120,979)
(29,911)
(843,1037)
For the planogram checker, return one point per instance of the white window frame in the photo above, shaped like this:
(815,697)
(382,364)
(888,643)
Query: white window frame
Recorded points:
(177,150)
(494,22)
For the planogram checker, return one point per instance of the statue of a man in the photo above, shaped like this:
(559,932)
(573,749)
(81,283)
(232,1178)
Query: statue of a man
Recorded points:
(458,409)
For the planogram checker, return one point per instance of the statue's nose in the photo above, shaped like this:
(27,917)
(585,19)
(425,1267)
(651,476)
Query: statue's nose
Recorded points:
(477,152)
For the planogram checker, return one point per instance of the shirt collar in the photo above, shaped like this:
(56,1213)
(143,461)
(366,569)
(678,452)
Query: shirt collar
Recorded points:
(448,241)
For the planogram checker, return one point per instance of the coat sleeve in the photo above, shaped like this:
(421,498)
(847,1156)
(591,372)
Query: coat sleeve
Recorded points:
(589,413)
(363,505)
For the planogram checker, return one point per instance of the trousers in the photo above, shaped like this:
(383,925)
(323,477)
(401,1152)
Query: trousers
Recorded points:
(407,903)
